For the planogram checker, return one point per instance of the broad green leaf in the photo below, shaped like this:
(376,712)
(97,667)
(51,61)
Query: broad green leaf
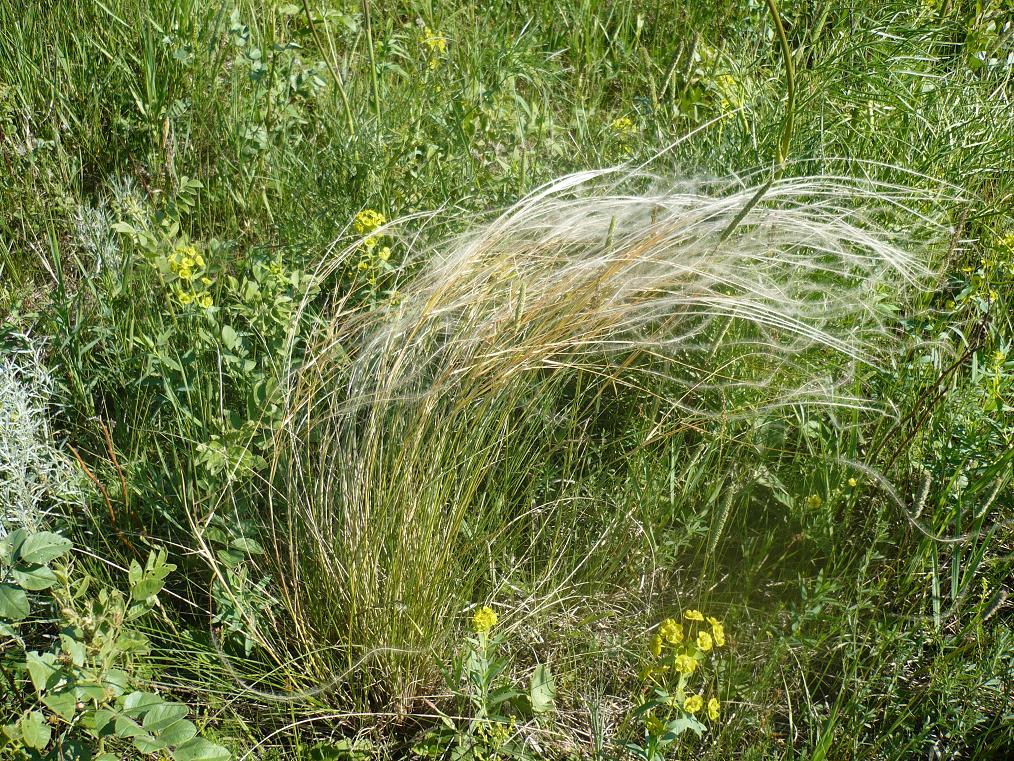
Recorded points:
(34,578)
(200,749)
(11,731)
(75,750)
(229,337)
(148,743)
(76,650)
(138,703)
(43,670)
(62,703)
(247,545)
(13,602)
(678,726)
(43,547)
(126,727)
(161,716)
(10,545)
(34,730)
(542,690)
(101,719)
(177,733)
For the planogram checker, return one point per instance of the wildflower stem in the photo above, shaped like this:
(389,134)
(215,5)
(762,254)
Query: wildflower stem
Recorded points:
(787,126)
(790,84)
(333,66)
(373,60)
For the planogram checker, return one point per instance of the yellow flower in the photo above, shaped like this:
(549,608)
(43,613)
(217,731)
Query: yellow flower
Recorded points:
(704,641)
(625,126)
(364,264)
(713,706)
(185,298)
(693,704)
(671,631)
(185,272)
(206,301)
(484,619)
(814,501)
(366,222)
(656,646)
(712,620)
(729,88)
(206,280)
(435,41)
(684,664)
(718,632)
(853,483)
(693,615)
(384,254)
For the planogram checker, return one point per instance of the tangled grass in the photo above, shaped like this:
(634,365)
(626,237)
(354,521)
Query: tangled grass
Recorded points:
(448,448)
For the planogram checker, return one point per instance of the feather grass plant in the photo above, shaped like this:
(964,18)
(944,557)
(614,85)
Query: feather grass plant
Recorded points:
(452,447)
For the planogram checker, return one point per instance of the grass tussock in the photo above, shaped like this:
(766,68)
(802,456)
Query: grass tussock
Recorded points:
(435,450)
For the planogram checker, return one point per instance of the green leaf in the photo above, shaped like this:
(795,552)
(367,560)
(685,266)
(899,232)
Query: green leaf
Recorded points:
(178,733)
(43,547)
(43,670)
(34,730)
(34,578)
(200,749)
(101,719)
(139,703)
(247,545)
(229,337)
(10,545)
(62,703)
(74,750)
(161,716)
(11,732)
(126,727)
(76,650)
(148,583)
(542,690)
(13,602)
(678,726)
(148,743)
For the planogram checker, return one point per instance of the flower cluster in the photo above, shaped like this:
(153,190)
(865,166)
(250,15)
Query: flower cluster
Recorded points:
(435,44)
(374,259)
(624,127)
(729,91)
(682,648)
(366,222)
(485,618)
(192,282)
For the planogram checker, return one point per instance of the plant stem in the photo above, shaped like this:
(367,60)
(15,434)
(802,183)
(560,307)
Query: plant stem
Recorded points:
(333,65)
(373,60)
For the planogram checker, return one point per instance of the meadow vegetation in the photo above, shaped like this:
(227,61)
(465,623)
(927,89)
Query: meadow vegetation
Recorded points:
(545,380)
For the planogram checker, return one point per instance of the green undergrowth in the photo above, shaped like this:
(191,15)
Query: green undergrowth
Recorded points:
(208,210)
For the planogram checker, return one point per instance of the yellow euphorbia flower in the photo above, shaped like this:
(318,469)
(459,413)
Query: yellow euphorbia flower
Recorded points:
(485,618)
(704,642)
